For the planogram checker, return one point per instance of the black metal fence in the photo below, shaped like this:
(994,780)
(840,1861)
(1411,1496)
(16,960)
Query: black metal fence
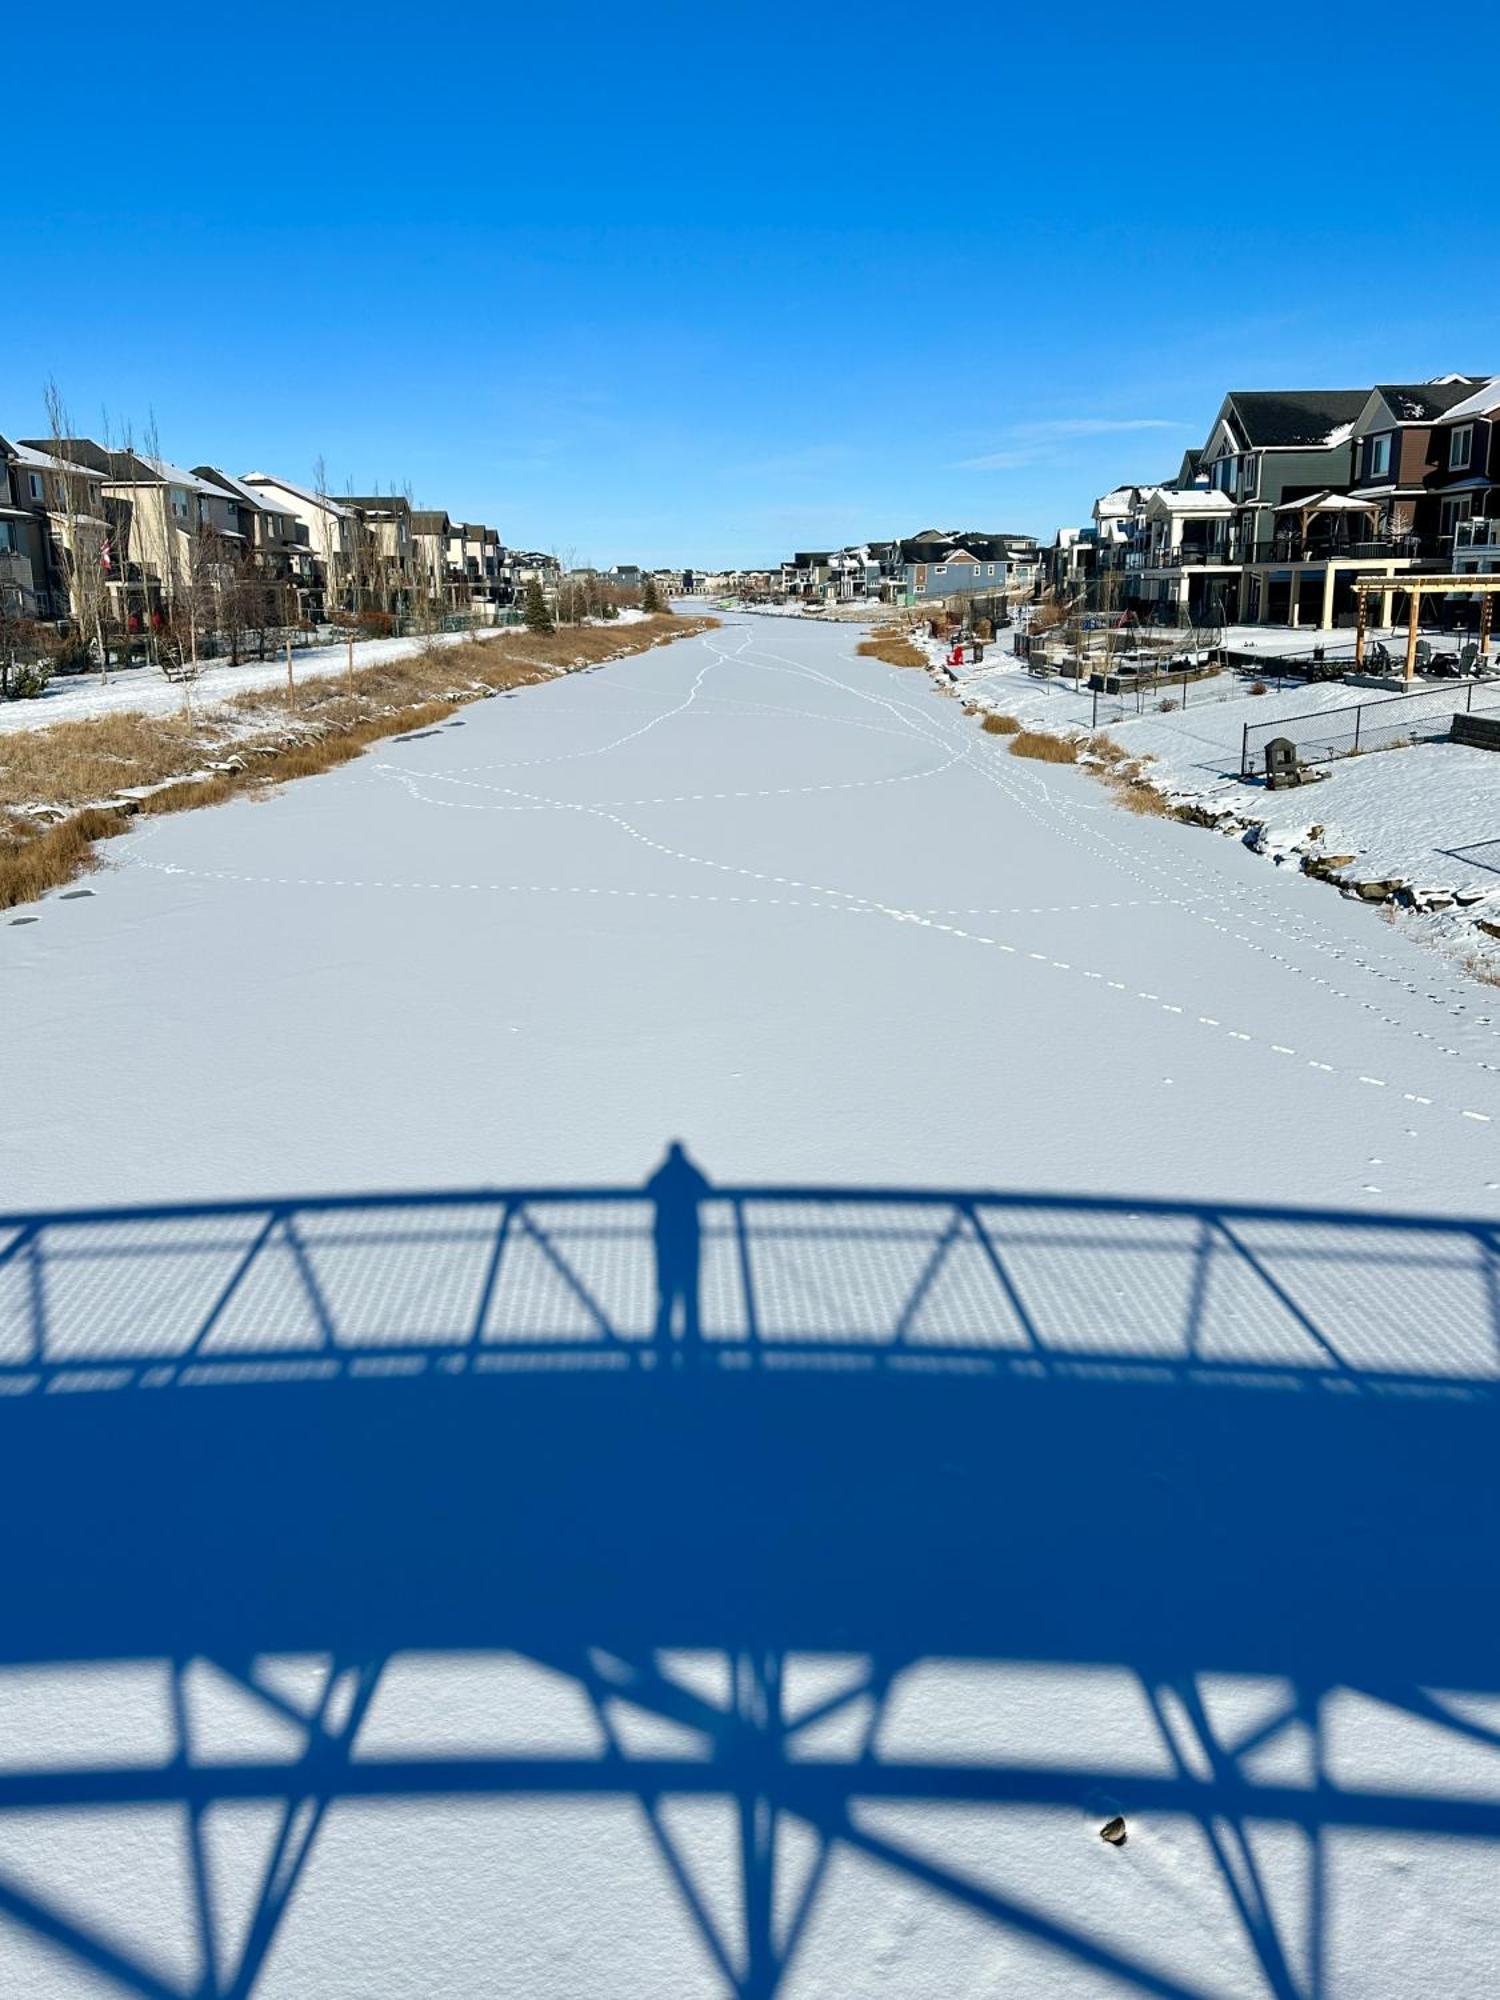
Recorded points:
(1322,737)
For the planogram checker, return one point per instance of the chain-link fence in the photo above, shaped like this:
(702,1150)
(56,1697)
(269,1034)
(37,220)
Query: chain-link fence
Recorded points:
(1324,736)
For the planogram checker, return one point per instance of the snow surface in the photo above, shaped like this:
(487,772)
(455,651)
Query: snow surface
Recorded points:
(1424,814)
(793,907)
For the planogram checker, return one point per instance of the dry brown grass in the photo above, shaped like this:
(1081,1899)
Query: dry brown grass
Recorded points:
(1137,796)
(1045,749)
(36,859)
(1000,725)
(80,767)
(893,646)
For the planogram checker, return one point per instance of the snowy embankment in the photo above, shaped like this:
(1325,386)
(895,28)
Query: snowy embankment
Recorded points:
(1412,826)
(145,690)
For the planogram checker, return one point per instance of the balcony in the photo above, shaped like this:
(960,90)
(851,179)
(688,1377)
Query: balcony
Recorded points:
(1476,538)
(1191,557)
(1295,550)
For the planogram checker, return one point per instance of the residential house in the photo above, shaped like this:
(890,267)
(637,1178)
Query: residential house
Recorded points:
(383,560)
(430,532)
(54,537)
(1069,564)
(476,565)
(807,575)
(24,591)
(1119,535)
(1465,480)
(270,541)
(938,563)
(323,525)
(1180,556)
(1285,459)
(521,567)
(157,513)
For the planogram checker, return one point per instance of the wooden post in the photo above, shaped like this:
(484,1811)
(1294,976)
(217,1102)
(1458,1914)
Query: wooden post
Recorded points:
(1411,633)
(1361,618)
(351,663)
(1486,620)
(291,690)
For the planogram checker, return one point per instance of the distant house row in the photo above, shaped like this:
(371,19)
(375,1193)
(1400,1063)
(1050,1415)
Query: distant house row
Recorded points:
(938,563)
(1296,495)
(92,533)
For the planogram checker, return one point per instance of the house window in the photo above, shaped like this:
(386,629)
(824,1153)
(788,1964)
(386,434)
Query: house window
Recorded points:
(1459,446)
(38,487)
(989,569)
(1249,476)
(942,569)
(1378,457)
(1453,511)
(7,537)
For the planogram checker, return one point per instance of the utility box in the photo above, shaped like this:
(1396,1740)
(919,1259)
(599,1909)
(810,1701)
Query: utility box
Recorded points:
(1281,764)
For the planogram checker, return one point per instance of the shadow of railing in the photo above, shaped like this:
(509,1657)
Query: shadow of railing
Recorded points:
(311,1287)
(950,1524)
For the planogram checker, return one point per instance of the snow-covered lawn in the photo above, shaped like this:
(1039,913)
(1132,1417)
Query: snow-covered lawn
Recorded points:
(73,697)
(388,1613)
(1424,815)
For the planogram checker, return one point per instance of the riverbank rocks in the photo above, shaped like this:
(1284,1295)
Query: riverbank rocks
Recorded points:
(1327,867)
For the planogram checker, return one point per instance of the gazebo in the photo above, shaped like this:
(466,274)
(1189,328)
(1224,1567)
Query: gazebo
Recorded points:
(1338,507)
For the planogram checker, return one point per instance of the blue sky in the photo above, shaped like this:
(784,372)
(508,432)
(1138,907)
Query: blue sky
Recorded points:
(709,283)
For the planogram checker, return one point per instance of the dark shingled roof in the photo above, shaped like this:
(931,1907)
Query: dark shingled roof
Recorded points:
(1294,416)
(1423,402)
(429,522)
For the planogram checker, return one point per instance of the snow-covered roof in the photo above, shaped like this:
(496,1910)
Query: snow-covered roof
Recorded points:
(1484,402)
(251,495)
(43,461)
(323,500)
(1189,500)
(170,475)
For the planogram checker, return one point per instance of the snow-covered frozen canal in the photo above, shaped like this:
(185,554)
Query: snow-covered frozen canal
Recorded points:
(1094,1415)
(753,892)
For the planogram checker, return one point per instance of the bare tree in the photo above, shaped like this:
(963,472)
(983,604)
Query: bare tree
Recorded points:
(82,532)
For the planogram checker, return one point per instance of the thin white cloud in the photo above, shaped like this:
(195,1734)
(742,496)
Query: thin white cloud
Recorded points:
(1067,427)
(1031,440)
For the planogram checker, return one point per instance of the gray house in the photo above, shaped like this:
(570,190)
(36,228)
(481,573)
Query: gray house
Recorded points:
(940,563)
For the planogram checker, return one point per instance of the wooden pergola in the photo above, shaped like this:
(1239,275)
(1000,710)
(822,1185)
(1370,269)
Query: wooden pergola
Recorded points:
(1485,588)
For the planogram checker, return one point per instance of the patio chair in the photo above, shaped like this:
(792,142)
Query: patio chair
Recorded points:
(1468,658)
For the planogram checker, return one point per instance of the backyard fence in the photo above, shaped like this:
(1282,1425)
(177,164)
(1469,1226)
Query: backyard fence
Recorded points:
(1324,736)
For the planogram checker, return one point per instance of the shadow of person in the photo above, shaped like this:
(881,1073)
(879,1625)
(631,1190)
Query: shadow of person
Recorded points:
(676,1188)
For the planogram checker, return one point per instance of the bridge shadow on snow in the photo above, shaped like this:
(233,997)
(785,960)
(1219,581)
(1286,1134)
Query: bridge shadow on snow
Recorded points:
(1138,1454)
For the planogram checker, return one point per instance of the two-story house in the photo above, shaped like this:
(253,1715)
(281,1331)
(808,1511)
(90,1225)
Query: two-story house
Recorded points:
(23,552)
(939,563)
(325,527)
(430,530)
(382,554)
(63,537)
(1284,457)
(1465,480)
(271,543)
